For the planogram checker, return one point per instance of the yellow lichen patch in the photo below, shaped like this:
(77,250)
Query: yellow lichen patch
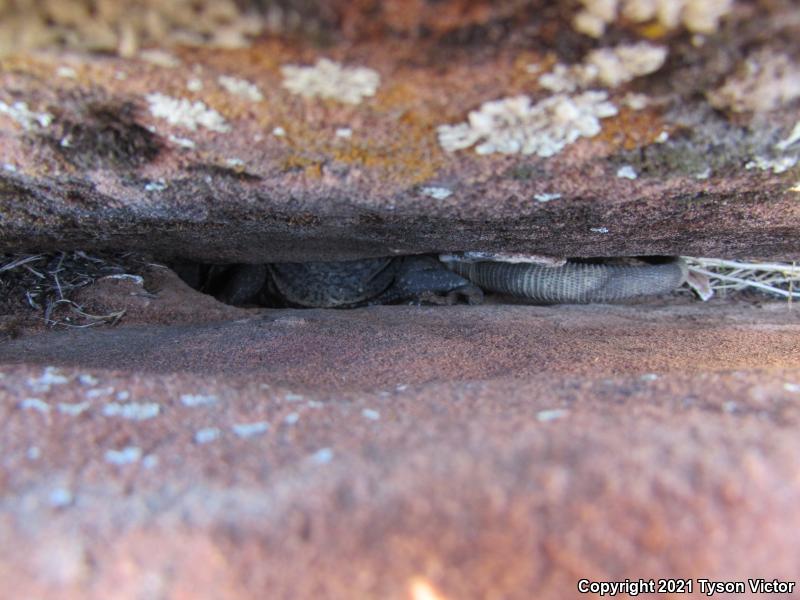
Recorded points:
(632,129)
(527,67)
(265,57)
(392,135)
(409,157)
(27,64)
(652,31)
(229,106)
(311,167)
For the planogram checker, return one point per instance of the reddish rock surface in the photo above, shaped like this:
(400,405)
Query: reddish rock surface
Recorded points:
(203,451)
(472,452)
(106,173)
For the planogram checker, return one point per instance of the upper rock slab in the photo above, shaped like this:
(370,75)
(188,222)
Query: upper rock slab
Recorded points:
(530,134)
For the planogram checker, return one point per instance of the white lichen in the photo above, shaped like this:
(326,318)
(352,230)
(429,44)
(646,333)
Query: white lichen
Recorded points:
(150,461)
(241,87)
(636,101)
(155,186)
(331,80)
(160,58)
(206,435)
(246,430)
(322,456)
(184,113)
(181,141)
(73,409)
(98,392)
(776,165)
(437,193)
(194,400)
(344,132)
(126,456)
(618,65)
(24,116)
(609,67)
(60,497)
(50,376)
(790,140)
(698,16)
(627,172)
(516,126)
(194,84)
(134,411)
(545,197)
(764,82)
(66,72)
(36,404)
(552,414)
(87,379)
(371,414)
(704,174)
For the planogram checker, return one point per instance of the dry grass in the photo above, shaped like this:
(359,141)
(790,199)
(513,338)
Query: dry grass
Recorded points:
(730,277)
(46,282)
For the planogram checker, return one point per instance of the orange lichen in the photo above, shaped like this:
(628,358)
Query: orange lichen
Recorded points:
(652,31)
(27,64)
(297,162)
(632,129)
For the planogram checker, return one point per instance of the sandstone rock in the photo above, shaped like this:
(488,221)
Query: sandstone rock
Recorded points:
(214,158)
(474,451)
(198,450)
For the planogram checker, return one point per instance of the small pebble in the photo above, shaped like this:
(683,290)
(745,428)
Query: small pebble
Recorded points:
(551,415)
(322,456)
(60,497)
(73,409)
(246,430)
(372,415)
(204,436)
(36,404)
(134,411)
(546,197)
(193,400)
(126,456)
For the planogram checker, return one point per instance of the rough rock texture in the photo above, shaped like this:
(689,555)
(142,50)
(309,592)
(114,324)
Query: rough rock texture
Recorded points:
(103,155)
(469,452)
(199,450)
